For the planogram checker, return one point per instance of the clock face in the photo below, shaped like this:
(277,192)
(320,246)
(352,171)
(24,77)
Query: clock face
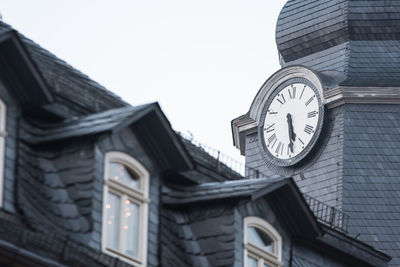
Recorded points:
(293,118)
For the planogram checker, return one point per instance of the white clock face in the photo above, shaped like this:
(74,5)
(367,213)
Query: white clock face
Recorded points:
(291,121)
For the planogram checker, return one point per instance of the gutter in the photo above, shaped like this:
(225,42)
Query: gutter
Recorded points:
(23,254)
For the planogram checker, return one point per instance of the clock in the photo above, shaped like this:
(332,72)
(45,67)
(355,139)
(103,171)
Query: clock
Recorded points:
(291,122)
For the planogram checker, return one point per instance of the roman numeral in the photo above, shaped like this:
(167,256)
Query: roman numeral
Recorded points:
(292,92)
(283,100)
(310,100)
(308,129)
(272,138)
(312,114)
(301,141)
(273,144)
(278,148)
(270,128)
(302,92)
(272,113)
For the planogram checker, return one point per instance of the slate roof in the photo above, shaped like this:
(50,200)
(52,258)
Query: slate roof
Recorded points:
(67,83)
(38,133)
(358,39)
(35,132)
(205,233)
(213,191)
(306,27)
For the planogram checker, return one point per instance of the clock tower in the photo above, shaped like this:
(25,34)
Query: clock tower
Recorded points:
(330,118)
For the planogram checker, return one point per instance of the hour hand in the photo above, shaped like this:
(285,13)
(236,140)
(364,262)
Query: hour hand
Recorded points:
(292,135)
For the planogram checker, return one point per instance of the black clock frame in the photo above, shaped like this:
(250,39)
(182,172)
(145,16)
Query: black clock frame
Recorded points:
(270,158)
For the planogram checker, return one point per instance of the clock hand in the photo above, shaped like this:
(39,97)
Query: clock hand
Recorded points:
(291,132)
(292,135)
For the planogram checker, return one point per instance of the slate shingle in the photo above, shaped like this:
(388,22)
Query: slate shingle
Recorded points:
(359,39)
(53,196)
(203,236)
(371,175)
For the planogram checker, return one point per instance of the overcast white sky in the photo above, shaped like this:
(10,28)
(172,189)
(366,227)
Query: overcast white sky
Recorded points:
(203,60)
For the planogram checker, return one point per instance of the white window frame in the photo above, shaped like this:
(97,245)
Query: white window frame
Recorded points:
(3,134)
(138,196)
(262,256)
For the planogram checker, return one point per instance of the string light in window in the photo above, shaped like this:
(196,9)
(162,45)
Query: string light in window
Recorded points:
(126,209)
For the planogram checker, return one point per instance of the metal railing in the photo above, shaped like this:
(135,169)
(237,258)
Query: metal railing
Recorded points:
(328,215)
(325,214)
(224,161)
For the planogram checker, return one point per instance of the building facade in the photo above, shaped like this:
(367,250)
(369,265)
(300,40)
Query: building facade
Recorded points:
(347,53)
(88,180)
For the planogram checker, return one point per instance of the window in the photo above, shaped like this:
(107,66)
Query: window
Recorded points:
(2,147)
(125,208)
(262,244)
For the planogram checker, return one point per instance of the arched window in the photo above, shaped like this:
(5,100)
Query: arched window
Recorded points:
(2,147)
(262,244)
(125,208)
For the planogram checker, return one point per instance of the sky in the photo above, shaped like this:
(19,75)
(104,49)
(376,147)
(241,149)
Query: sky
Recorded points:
(203,61)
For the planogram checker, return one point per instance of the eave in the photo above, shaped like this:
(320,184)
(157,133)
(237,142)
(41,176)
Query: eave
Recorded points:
(361,95)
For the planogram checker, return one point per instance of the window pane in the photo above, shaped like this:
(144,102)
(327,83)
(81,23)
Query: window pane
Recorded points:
(260,239)
(122,174)
(131,228)
(112,220)
(251,262)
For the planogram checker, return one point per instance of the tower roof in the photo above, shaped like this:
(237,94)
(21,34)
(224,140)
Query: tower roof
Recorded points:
(357,41)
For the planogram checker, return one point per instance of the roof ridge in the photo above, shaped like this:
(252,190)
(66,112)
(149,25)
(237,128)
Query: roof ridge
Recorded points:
(34,132)
(67,65)
(76,119)
(33,47)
